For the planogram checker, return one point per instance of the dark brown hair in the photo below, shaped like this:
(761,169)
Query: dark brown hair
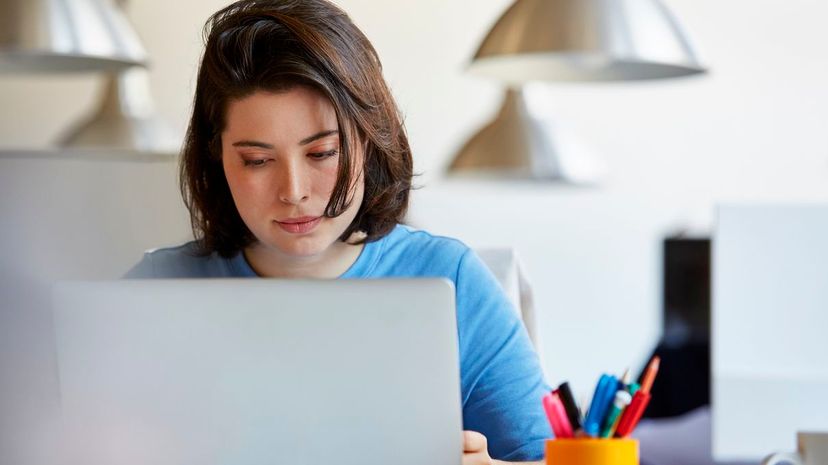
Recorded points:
(274,45)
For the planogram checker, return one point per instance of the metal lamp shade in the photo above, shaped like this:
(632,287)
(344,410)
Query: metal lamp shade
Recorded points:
(520,146)
(66,35)
(585,40)
(125,124)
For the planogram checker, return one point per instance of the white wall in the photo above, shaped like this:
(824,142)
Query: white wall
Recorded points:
(753,129)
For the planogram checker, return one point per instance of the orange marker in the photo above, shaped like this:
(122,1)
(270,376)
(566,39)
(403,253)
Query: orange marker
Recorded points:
(632,414)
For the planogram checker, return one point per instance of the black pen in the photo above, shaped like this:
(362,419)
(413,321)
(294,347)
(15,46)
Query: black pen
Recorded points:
(571,407)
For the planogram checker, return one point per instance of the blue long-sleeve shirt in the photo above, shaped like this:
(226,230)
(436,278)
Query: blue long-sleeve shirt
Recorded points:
(500,376)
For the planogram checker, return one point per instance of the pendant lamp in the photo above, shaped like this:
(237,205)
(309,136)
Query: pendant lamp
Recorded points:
(66,35)
(125,122)
(560,41)
(38,36)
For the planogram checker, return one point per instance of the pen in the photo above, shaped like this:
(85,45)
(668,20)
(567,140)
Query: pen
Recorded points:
(573,413)
(601,400)
(557,416)
(622,400)
(632,414)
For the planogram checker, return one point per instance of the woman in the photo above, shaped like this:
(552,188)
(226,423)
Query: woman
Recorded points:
(296,165)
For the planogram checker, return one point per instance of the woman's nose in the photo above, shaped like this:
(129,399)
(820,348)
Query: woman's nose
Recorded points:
(294,185)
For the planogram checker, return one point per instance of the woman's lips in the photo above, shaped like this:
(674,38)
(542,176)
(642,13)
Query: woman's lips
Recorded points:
(301,227)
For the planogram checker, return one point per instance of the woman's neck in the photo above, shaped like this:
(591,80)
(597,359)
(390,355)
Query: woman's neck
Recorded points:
(271,263)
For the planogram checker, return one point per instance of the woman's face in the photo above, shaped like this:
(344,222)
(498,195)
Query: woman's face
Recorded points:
(280,154)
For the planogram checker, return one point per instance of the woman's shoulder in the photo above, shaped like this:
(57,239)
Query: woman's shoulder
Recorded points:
(409,251)
(181,261)
(421,241)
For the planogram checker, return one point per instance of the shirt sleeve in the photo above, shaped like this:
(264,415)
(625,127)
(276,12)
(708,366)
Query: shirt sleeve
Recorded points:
(143,269)
(501,377)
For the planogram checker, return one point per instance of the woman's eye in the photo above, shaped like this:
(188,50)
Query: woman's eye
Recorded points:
(323,155)
(256,162)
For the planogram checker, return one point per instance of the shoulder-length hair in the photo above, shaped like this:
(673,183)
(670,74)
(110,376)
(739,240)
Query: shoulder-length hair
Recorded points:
(274,45)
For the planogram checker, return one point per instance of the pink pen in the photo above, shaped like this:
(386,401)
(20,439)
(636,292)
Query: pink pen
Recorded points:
(556,414)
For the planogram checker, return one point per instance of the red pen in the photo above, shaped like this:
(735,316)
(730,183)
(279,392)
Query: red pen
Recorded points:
(632,414)
(556,414)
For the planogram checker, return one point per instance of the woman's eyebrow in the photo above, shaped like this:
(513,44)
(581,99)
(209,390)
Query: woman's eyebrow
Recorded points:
(252,143)
(318,136)
(305,141)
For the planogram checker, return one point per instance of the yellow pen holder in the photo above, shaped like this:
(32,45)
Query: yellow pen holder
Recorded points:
(592,452)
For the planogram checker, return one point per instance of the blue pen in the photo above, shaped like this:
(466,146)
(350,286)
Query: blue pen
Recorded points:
(601,400)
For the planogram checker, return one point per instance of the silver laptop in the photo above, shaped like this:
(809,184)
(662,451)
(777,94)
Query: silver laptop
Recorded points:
(257,371)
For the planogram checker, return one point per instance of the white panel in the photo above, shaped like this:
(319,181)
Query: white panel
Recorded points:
(770,318)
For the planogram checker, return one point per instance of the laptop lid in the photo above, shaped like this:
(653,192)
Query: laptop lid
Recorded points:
(259,371)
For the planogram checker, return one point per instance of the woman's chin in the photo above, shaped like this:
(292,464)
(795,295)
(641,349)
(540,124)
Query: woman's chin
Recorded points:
(300,247)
